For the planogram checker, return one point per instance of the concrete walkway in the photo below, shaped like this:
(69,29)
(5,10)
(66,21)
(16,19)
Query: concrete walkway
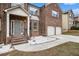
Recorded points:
(42,46)
(5,49)
(37,47)
(71,38)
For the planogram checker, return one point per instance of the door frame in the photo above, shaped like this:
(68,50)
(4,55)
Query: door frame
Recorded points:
(12,28)
(8,25)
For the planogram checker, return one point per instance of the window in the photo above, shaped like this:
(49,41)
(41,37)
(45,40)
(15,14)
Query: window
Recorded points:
(35,25)
(55,14)
(37,12)
(71,16)
(32,12)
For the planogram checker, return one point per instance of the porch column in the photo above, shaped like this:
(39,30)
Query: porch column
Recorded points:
(28,26)
(7,24)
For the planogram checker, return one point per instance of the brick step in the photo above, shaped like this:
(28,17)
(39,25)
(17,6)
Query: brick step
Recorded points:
(20,42)
(14,38)
(17,38)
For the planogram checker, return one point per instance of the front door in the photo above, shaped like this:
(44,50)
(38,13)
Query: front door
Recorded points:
(17,27)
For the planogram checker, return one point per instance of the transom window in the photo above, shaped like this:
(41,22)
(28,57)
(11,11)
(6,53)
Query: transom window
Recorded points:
(55,14)
(35,25)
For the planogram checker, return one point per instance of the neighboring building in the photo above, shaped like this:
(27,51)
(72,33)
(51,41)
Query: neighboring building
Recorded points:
(67,20)
(20,21)
(76,21)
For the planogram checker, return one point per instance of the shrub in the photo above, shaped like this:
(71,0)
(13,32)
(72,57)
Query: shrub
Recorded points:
(74,28)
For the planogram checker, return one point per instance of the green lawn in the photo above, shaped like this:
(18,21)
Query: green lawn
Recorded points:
(72,32)
(66,49)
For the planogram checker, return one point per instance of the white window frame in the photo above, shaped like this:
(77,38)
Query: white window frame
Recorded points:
(55,14)
(32,25)
(34,11)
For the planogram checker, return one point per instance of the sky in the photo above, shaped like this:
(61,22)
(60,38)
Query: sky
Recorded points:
(70,6)
(65,7)
(39,4)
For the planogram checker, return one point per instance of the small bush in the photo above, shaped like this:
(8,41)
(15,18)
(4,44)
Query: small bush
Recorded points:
(74,28)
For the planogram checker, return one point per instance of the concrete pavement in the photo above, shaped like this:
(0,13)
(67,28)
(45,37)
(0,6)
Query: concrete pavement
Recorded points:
(42,46)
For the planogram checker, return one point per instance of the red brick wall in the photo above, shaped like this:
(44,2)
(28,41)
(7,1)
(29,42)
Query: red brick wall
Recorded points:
(47,19)
(35,33)
(3,6)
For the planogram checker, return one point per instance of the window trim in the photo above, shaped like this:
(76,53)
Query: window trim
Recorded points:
(32,25)
(57,14)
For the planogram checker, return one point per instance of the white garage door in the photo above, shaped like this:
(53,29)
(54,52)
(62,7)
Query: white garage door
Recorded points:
(58,30)
(50,30)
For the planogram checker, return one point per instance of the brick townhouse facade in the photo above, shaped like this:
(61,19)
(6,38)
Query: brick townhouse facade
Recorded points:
(51,24)
(26,20)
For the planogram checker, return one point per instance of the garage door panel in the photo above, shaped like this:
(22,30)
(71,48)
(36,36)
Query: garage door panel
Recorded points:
(51,30)
(58,30)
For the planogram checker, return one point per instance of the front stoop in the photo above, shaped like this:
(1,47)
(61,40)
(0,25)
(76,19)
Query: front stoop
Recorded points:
(18,40)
